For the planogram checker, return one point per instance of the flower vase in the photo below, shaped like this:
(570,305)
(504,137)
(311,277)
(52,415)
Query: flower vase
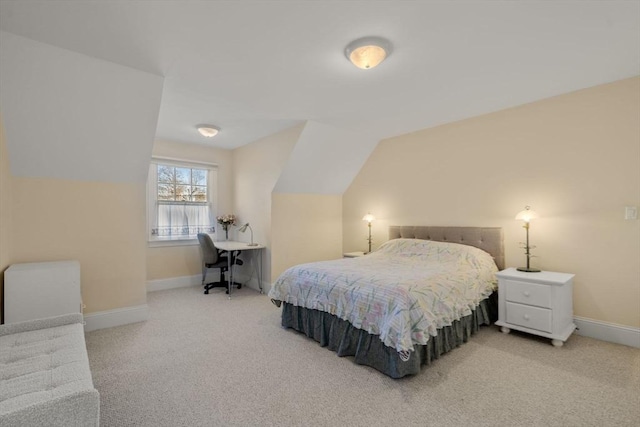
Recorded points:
(226,234)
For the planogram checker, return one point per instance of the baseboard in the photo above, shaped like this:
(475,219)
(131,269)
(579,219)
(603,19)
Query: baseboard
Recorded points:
(253,283)
(173,282)
(186,281)
(610,332)
(117,317)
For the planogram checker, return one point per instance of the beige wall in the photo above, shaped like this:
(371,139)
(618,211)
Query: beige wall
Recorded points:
(304,228)
(294,228)
(5,214)
(99,224)
(178,261)
(574,158)
(257,167)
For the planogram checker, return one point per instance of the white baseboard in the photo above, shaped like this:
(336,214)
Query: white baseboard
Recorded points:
(253,284)
(596,329)
(196,280)
(610,332)
(117,317)
(173,282)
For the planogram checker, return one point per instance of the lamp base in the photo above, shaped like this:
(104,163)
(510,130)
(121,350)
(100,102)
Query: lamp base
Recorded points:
(252,244)
(528,270)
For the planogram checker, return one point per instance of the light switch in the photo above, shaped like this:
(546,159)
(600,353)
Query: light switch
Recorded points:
(631,212)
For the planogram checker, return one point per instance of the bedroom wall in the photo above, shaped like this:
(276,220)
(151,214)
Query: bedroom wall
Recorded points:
(5,214)
(574,158)
(78,177)
(304,228)
(256,169)
(247,176)
(44,219)
(179,261)
(97,223)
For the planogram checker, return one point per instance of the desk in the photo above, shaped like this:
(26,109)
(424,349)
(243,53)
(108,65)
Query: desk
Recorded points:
(231,246)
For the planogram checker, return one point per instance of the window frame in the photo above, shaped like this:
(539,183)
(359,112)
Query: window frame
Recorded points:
(152,198)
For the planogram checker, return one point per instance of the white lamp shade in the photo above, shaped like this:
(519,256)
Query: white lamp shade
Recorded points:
(208,130)
(368,217)
(367,52)
(526,215)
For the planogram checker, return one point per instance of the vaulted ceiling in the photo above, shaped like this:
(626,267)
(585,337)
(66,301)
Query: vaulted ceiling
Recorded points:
(256,67)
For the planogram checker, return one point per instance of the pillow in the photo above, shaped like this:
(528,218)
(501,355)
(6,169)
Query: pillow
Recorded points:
(442,252)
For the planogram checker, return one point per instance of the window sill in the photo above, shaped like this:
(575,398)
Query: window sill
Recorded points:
(172,241)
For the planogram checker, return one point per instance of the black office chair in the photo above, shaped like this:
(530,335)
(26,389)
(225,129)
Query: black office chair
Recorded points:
(212,258)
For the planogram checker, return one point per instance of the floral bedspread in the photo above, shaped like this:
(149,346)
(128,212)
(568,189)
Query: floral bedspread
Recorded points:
(404,291)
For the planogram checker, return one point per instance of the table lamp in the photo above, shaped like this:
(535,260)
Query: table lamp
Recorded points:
(527,215)
(369,218)
(243,229)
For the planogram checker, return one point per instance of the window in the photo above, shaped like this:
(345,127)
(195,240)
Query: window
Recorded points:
(181,199)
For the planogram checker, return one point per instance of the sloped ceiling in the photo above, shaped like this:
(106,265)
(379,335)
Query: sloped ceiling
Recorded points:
(71,116)
(89,107)
(257,67)
(324,160)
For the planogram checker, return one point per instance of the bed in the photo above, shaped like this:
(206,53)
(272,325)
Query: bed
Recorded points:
(421,294)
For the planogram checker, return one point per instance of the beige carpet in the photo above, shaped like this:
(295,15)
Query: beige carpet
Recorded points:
(202,360)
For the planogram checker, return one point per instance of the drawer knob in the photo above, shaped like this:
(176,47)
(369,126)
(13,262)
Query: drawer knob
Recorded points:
(527,293)
(526,317)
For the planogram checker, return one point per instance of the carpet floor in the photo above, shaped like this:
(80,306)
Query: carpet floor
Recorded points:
(204,360)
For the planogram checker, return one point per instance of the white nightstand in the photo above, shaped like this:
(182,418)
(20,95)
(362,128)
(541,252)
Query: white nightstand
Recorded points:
(353,254)
(537,303)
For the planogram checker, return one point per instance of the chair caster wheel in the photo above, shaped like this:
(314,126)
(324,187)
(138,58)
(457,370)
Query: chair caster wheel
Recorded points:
(206,292)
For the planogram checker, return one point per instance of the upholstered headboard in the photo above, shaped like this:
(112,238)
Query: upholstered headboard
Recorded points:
(489,239)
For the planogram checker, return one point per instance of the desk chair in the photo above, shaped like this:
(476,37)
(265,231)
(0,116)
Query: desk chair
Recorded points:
(212,258)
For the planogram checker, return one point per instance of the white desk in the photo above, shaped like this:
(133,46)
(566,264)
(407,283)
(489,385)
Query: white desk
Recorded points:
(231,246)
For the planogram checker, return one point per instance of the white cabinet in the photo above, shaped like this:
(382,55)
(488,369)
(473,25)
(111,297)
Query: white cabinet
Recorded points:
(538,303)
(43,289)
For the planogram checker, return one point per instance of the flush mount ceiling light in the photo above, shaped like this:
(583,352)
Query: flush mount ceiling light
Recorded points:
(368,52)
(208,130)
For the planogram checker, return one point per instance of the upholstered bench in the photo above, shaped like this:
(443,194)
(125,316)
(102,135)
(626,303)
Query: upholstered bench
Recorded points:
(44,374)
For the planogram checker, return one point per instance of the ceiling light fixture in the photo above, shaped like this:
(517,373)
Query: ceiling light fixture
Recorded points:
(208,130)
(368,52)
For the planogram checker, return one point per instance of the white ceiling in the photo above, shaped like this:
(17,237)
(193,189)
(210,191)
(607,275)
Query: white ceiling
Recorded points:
(256,67)
(70,116)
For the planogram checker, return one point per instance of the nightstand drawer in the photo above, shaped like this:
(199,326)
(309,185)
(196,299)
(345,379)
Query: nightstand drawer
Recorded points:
(528,293)
(529,317)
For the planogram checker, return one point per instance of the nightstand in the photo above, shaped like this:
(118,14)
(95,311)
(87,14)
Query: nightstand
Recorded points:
(353,254)
(536,303)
